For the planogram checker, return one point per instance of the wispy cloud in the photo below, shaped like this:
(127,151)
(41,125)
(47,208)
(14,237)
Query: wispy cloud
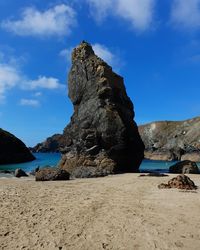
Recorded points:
(66,54)
(139,13)
(9,77)
(186,14)
(105,53)
(43,82)
(37,94)
(58,20)
(29,102)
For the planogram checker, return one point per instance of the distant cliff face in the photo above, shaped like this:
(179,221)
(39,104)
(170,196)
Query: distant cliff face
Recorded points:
(102,137)
(13,150)
(170,140)
(52,144)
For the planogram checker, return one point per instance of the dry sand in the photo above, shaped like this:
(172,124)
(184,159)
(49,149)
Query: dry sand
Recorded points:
(115,212)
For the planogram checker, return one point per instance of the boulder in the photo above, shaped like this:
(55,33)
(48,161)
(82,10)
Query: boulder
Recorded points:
(51,174)
(102,137)
(13,150)
(184,167)
(20,173)
(180,182)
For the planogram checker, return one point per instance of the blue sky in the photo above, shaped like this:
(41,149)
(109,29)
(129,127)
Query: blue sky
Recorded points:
(154,45)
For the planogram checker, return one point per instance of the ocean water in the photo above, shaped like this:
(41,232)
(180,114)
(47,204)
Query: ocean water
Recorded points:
(52,159)
(42,159)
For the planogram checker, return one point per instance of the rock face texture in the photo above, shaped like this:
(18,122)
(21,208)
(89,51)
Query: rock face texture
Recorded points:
(170,140)
(13,150)
(51,174)
(102,137)
(180,182)
(184,167)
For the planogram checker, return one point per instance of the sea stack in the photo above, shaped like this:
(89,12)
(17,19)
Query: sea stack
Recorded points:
(102,137)
(12,149)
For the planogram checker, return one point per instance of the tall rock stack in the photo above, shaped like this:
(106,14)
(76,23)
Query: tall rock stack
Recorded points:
(102,137)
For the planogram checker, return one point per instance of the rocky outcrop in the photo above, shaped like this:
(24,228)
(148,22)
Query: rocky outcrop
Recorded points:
(13,150)
(52,144)
(168,140)
(180,182)
(51,174)
(102,137)
(184,167)
(20,173)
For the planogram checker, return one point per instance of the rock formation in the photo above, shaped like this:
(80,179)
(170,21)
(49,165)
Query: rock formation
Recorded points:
(170,140)
(102,137)
(13,150)
(20,173)
(166,141)
(180,182)
(184,167)
(51,174)
(52,144)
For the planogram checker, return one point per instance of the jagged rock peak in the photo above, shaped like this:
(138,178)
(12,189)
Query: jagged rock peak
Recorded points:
(102,137)
(82,52)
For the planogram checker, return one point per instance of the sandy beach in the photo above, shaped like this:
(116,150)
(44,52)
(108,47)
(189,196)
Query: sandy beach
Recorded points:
(115,212)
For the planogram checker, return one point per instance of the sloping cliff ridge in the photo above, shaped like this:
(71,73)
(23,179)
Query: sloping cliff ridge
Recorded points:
(13,150)
(172,140)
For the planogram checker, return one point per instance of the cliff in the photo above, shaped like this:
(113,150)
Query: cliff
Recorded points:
(13,150)
(172,140)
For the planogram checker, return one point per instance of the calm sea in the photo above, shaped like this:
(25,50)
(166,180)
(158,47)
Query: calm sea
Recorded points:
(52,159)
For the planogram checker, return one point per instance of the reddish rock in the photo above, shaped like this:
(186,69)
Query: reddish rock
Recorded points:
(180,182)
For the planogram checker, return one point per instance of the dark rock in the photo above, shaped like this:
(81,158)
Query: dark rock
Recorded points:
(13,150)
(7,171)
(172,140)
(153,174)
(184,167)
(52,144)
(51,174)
(180,182)
(20,173)
(104,138)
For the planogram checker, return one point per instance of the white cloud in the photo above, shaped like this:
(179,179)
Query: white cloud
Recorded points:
(58,20)
(66,53)
(186,14)
(9,77)
(138,12)
(37,94)
(43,82)
(104,53)
(29,102)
